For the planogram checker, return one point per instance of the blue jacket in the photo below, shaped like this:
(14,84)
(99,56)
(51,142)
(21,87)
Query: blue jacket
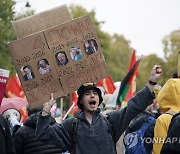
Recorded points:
(94,138)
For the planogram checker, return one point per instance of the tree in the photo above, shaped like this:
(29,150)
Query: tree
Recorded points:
(145,67)
(6,33)
(118,57)
(171,50)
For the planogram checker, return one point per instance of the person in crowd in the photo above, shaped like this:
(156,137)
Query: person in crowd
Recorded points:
(168,100)
(13,116)
(61,59)
(25,138)
(76,53)
(6,142)
(28,73)
(44,67)
(92,133)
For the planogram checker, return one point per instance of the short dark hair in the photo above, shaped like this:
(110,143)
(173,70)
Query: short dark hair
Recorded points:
(26,67)
(34,110)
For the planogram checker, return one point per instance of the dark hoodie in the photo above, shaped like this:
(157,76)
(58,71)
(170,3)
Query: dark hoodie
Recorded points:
(25,139)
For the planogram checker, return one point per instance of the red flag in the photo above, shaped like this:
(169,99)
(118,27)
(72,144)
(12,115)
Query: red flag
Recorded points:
(14,88)
(132,84)
(133,60)
(107,84)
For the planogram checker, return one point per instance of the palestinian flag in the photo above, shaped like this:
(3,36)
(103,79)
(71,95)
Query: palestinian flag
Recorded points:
(132,88)
(125,84)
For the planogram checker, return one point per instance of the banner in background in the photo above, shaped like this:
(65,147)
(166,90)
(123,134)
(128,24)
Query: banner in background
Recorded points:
(4,74)
(14,88)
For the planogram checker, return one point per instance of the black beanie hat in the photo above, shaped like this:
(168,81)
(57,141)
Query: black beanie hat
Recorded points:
(85,87)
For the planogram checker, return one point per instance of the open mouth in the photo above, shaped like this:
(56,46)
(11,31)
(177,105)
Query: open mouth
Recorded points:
(92,103)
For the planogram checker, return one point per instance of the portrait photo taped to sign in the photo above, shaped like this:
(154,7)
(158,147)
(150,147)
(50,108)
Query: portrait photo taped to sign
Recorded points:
(58,60)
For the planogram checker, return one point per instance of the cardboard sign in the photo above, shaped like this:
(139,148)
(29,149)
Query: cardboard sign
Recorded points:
(58,60)
(4,74)
(41,21)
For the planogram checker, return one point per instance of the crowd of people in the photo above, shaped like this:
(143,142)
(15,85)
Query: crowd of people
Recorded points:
(95,128)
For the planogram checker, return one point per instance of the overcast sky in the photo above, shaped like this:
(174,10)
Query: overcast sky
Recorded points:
(143,22)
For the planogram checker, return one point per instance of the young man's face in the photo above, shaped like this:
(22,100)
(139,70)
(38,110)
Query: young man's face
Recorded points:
(90,100)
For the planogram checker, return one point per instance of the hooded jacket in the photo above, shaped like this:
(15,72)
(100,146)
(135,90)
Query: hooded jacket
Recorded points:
(94,138)
(25,139)
(168,100)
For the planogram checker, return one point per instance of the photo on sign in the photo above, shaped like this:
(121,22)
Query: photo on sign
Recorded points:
(43,66)
(75,53)
(27,73)
(61,58)
(90,46)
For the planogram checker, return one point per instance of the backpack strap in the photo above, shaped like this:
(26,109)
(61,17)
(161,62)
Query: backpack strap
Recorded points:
(74,132)
(137,122)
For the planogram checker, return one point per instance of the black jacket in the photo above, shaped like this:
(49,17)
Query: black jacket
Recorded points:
(25,139)
(6,142)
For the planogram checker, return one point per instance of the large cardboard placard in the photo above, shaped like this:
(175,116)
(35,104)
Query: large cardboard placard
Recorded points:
(55,46)
(41,21)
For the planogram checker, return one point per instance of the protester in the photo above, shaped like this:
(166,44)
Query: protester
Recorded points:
(43,66)
(28,73)
(92,134)
(25,139)
(168,100)
(6,142)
